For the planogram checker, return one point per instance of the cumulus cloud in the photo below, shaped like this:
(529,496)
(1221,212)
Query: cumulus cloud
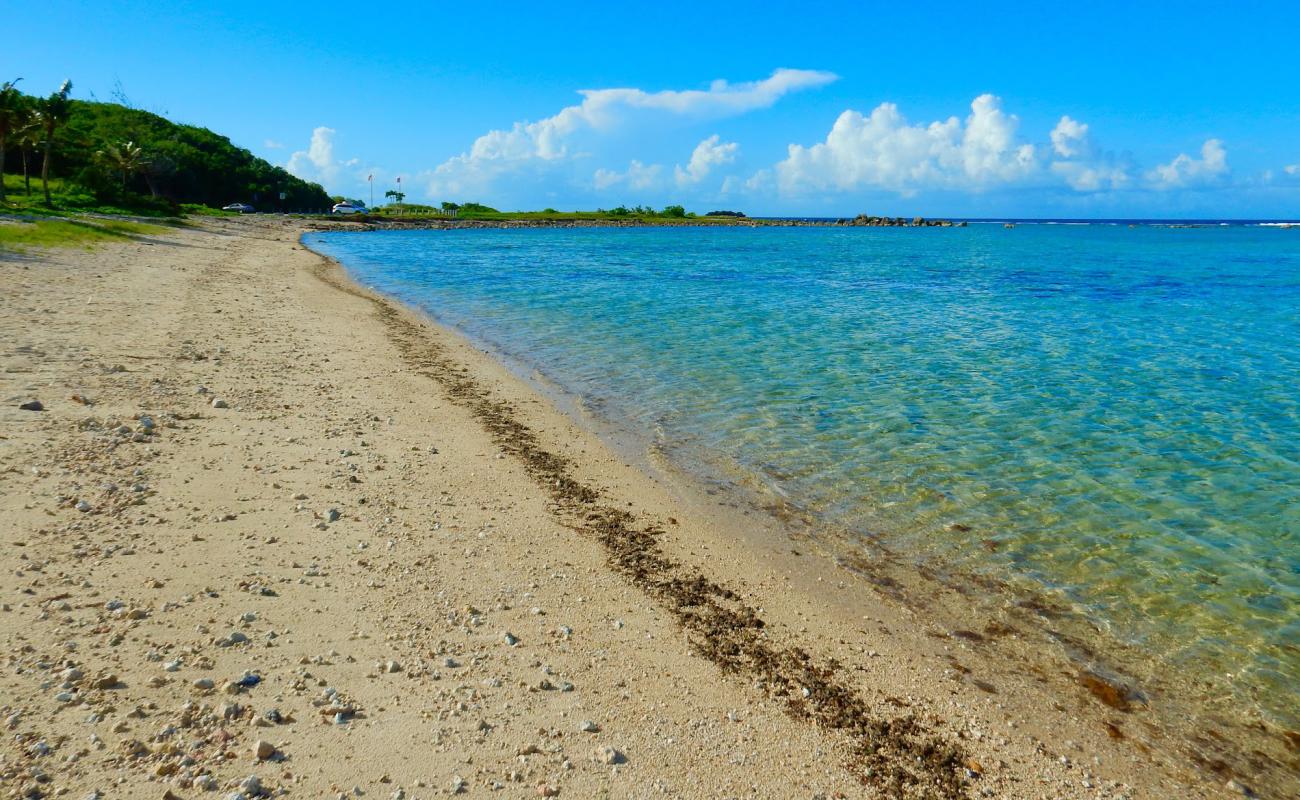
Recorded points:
(708,154)
(884,151)
(317,163)
(1068,137)
(1185,171)
(638,176)
(601,111)
(1080,163)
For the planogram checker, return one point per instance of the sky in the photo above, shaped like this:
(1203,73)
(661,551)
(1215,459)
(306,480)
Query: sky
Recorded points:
(1100,109)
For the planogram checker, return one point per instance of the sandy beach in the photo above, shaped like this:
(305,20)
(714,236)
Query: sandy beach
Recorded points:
(272,534)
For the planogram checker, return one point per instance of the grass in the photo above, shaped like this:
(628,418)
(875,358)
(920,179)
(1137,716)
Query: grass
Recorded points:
(68,197)
(84,232)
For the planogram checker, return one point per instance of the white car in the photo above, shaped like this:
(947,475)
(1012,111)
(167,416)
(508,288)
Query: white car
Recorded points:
(347,208)
(242,208)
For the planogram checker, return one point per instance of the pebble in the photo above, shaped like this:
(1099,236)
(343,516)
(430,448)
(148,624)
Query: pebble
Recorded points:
(509,638)
(1238,787)
(608,755)
(263,749)
(204,683)
(392,666)
(458,784)
(587,726)
(333,515)
(33,405)
(217,402)
(83,506)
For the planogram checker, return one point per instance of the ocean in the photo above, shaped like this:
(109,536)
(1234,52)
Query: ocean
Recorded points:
(1105,414)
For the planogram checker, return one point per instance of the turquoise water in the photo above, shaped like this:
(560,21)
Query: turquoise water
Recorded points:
(1110,414)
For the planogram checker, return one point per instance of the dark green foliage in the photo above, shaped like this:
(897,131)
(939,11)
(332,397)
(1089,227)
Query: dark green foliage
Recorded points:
(674,211)
(725,214)
(183,163)
(478,208)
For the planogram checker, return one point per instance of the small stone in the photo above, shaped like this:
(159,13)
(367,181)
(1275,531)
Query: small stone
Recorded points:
(333,515)
(1238,787)
(217,402)
(263,749)
(203,683)
(458,784)
(83,506)
(392,666)
(587,726)
(608,755)
(509,638)
(32,405)
(546,790)
(106,681)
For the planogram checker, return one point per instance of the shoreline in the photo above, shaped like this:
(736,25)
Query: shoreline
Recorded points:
(1052,636)
(714,658)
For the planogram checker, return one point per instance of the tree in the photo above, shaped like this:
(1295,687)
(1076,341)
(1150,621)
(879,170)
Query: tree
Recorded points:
(397,196)
(54,112)
(675,211)
(126,159)
(11,112)
(27,135)
(447,206)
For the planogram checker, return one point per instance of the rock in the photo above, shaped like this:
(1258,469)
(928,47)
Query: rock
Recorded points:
(546,790)
(33,405)
(333,515)
(204,683)
(251,786)
(105,681)
(458,784)
(217,402)
(1238,787)
(587,726)
(392,666)
(608,755)
(83,506)
(263,749)
(509,638)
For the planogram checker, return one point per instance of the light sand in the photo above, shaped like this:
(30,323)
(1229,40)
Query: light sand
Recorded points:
(496,577)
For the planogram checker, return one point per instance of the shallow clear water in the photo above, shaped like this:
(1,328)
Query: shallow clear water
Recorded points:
(1110,413)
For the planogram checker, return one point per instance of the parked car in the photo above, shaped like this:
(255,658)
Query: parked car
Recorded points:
(242,208)
(347,208)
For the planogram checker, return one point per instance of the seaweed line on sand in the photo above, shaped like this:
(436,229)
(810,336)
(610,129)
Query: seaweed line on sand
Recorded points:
(900,756)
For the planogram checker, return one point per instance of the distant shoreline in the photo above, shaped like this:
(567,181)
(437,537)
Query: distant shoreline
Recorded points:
(360,223)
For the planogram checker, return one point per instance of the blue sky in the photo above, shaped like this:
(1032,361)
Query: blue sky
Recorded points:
(1025,109)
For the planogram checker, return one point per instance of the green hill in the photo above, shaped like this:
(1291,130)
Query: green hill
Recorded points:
(179,164)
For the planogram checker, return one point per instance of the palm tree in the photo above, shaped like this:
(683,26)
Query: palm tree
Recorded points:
(27,135)
(54,112)
(126,159)
(10,111)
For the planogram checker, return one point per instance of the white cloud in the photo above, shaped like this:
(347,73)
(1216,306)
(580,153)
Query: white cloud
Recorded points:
(1185,170)
(1068,137)
(638,176)
(710,153)
(317,162)
(602,111)
(884,151)
(271,144)
(1292,169)
(1079,163)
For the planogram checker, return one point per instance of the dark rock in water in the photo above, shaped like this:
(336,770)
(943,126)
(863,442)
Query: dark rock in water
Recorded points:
(33,405)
